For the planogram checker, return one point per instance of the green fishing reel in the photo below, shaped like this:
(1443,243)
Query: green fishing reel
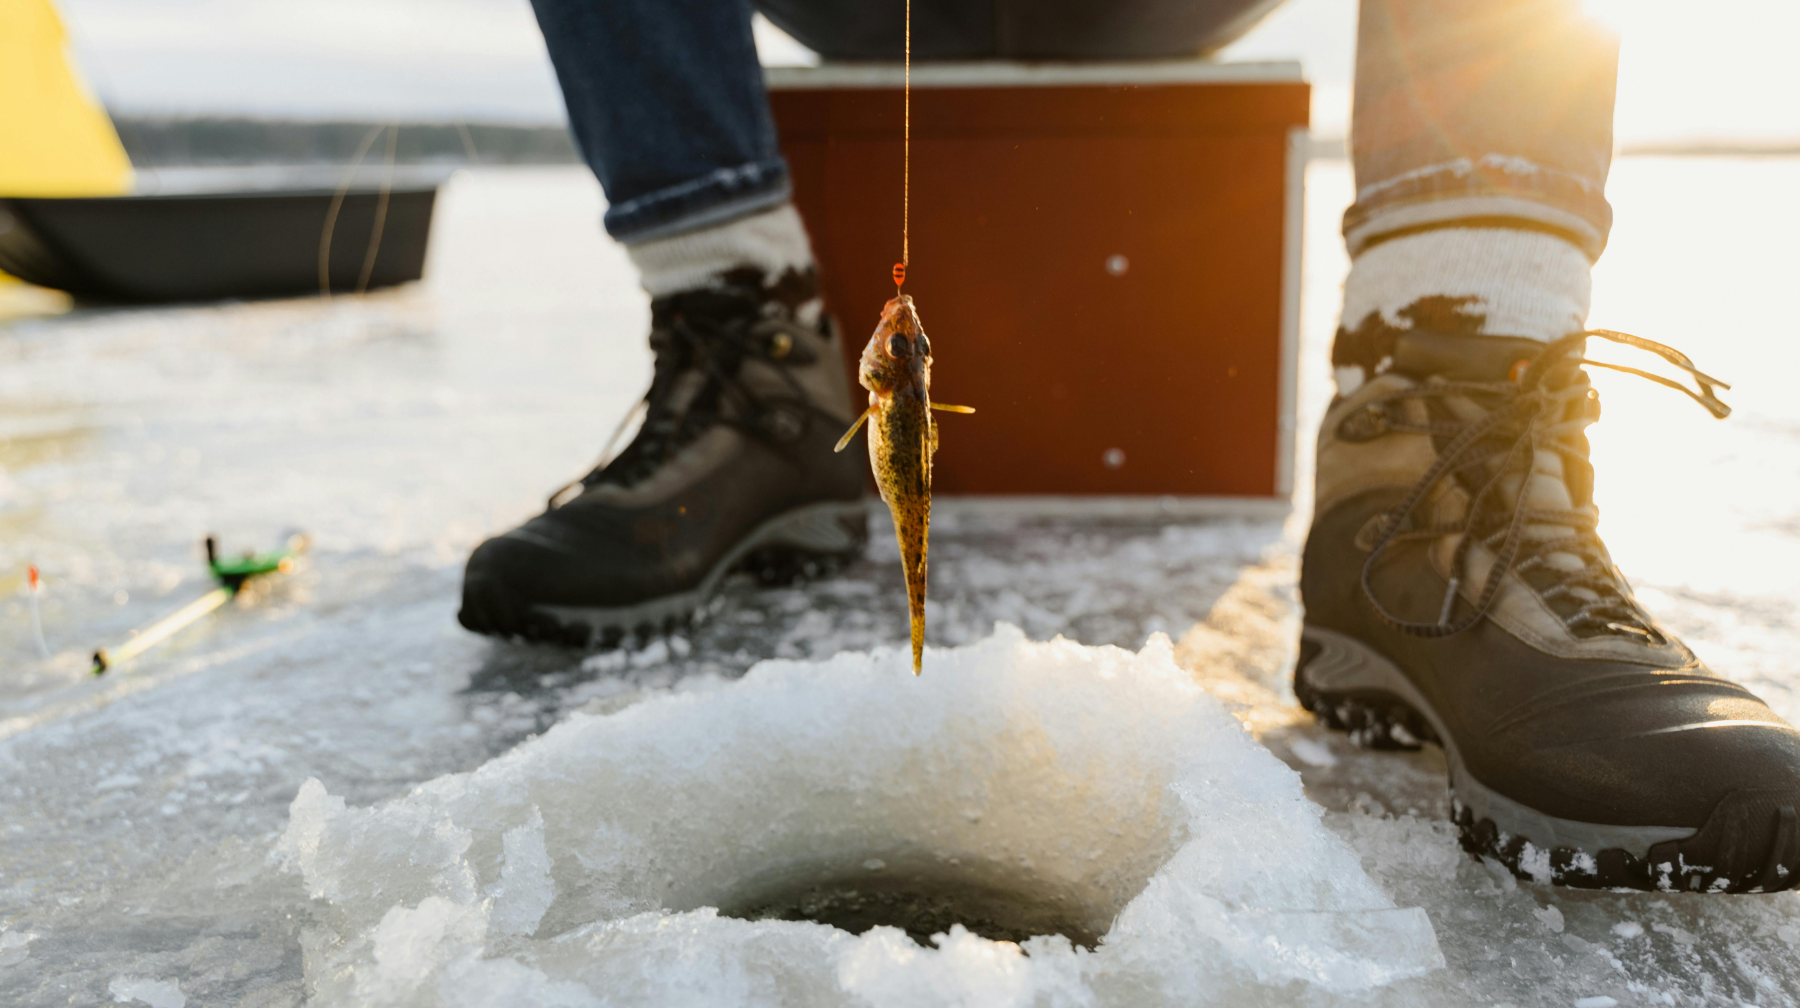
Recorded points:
(232,573)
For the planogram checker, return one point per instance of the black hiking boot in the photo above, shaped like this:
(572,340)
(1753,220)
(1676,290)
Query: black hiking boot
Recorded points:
(732,469)
(1456,593)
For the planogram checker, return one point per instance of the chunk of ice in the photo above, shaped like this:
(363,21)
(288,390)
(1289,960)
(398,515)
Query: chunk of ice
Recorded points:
(151,991)
(15,947)
(1312,753)
(526,889)
(1110,795)
(1551,918)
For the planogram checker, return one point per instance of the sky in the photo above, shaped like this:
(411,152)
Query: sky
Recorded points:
(1722,70)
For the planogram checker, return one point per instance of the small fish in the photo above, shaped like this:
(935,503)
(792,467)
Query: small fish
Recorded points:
(896,369)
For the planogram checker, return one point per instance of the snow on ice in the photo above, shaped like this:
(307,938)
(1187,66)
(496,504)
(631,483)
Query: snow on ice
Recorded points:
(1093,787)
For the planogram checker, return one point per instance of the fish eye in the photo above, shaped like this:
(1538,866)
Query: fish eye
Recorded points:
(924,345)
(896,346)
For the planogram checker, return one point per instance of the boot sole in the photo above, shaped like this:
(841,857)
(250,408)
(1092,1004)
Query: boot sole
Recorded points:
(809,541)
(1750,843)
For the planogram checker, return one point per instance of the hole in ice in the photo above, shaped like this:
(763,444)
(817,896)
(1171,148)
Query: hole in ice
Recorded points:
(923,895)
(1084,824)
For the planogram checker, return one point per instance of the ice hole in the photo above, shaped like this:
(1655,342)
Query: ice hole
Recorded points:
(924,894)
(1025,820)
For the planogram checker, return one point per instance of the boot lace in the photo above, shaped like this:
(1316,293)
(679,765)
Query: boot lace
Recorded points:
(1545,408)
(713,343)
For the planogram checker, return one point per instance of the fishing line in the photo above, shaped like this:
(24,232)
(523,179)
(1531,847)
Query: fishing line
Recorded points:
(337,203)
(905,159)
(381,208)
(381,205)
(468,142)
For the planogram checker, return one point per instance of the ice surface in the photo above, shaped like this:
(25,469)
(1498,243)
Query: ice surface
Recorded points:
(137,812)
(1104,785)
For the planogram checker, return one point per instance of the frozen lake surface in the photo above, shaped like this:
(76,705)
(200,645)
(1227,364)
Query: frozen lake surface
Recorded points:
(138,812)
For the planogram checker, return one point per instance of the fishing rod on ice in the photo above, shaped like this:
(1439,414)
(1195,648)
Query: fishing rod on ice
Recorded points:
(230,573)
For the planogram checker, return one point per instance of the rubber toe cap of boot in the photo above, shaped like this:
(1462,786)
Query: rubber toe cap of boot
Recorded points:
(499,584)
(1734,782)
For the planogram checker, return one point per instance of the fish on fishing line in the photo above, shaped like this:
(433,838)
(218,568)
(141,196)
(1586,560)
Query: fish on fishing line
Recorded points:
(896,369)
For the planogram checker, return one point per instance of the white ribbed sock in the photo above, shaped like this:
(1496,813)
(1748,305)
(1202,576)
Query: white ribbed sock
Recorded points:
(1519,283)
(773,241)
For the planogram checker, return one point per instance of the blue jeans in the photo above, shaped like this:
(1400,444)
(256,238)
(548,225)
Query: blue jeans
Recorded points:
(1467,111)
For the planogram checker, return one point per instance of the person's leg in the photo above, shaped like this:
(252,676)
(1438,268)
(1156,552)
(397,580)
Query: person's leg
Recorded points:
(731,467)
(1481,142)
(666,103)
(1454,585)
(1482,112)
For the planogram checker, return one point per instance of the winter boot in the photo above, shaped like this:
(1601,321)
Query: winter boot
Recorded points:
(732,469)
(1456,593)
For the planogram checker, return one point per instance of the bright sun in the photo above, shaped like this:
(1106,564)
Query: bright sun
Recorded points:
(1717,70)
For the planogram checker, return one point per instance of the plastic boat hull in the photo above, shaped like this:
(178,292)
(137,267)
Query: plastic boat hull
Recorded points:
(217,245)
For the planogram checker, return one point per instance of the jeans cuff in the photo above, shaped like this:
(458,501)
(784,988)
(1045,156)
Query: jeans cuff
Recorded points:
(1493,191)
(714,198)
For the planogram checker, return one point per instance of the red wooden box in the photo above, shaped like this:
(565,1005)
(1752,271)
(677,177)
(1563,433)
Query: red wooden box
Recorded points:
(1106,257)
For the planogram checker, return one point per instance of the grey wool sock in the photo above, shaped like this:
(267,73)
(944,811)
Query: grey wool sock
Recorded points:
(773,241)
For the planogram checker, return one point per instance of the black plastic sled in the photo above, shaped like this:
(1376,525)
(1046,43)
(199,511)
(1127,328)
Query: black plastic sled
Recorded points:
(204,247)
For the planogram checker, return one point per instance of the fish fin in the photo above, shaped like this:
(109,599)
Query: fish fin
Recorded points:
(845,440)
(947,408)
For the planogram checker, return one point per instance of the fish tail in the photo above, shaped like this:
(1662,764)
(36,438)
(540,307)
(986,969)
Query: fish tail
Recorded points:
(911,531)
(915,605)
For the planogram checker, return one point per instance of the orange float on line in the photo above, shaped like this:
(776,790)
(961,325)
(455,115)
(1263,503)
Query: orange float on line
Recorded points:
(899,274)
